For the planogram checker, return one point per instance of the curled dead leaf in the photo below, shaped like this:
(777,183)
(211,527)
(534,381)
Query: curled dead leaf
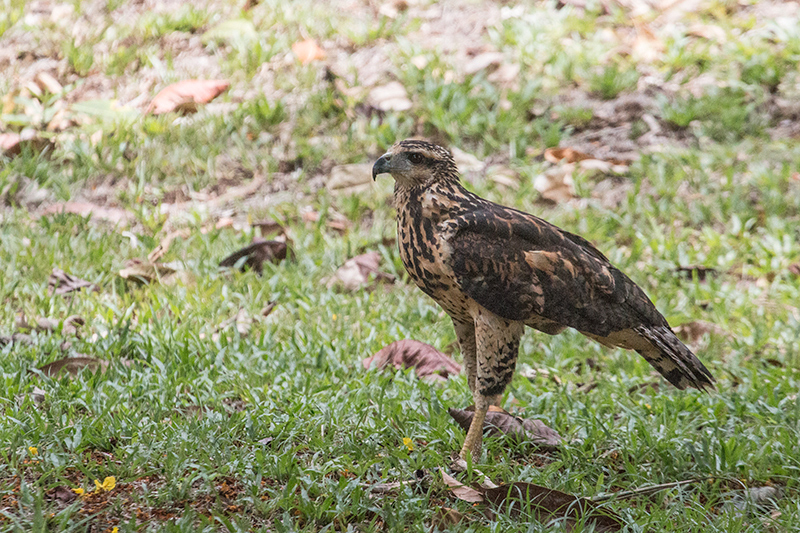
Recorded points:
(499,421)
(308,51)
(556,184)
(184,96)
(359,272)
(256,254)
(61,283)
(461,491)
(427,361)
(567,155)
(145,273)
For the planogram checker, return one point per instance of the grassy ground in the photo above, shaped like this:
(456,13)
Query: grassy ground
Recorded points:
(274,425)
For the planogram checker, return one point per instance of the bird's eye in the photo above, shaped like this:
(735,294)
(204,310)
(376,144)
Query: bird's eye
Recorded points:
(416,158)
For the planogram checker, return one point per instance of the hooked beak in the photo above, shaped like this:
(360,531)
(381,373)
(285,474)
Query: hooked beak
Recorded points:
(381,166)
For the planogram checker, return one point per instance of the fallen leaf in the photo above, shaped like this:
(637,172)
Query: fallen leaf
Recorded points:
(61,494)
(567,155)
(256,254)
(11,144)
(73,365)
(145,273)
(308,51)
(85,209)
(461,491)
(350,179)
(547,505)
(359,272)
(794,269)
(163,246)
(482,62)
(185,95)
(390,97)
(556,184)
(269,227)
(48,83)
(445,517)
(61,283)
(499,421)
(69,326)
(427,361)
(16,338)
(466,162)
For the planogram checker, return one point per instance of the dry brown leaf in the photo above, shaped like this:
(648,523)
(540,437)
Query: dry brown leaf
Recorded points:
(427,361)
(499,421)
(185,95)
(359,272)
(482,62)
(69,326)
(308,51)
(48,83)
(547,505)
(461,491)
(145,273)
(73,365)
(113,215)
(390,97)
(61,283)
(567,155)
(61,494)
(256,254)
(556,184)
(11,143)
(445,517)
(268,227)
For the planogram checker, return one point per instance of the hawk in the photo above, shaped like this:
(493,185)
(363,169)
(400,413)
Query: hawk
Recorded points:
(495,270)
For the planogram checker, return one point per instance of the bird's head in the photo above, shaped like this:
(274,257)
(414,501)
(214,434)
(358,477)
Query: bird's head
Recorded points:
(412,163)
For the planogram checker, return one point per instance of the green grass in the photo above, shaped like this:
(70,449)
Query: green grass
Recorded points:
(205,428)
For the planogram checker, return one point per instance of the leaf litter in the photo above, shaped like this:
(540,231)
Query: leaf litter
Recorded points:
(427,362)
(359,272)
(531,501)
(62,283)
(184,96)
(257,253)
(519,430)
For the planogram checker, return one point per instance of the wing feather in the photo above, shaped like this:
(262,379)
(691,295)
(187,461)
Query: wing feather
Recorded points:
(519,267)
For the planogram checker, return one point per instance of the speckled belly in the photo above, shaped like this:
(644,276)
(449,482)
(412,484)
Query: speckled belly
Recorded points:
(423,258)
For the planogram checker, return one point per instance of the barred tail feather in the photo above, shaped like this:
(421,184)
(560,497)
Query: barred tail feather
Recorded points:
(673,359)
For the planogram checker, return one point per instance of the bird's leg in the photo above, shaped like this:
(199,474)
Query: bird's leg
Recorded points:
(497,346)
(465,333)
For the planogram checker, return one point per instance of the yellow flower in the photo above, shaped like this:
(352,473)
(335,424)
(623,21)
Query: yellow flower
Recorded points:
(78,491)
(107,485)
(334,316)
(115,530)
(409,443)
(33,450)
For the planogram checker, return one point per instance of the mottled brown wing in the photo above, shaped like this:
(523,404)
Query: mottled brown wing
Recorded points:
(519,267)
